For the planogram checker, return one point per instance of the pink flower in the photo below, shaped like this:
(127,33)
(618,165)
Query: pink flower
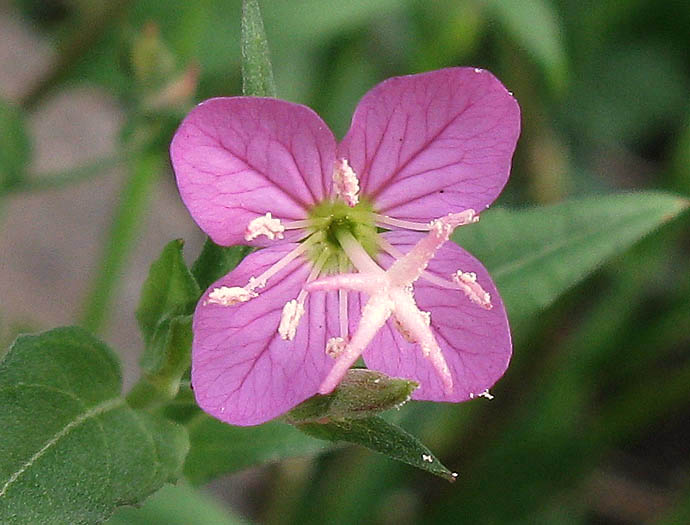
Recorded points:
(424,153)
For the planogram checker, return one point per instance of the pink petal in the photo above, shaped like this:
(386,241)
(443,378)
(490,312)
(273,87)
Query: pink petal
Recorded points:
(238,158)
(430,144)
(475,342)
(243,373)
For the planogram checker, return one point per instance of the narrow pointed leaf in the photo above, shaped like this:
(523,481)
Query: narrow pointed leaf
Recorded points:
(535,255)
(377,434)
(257,72)
(533,24)
(170,288)
(69,444)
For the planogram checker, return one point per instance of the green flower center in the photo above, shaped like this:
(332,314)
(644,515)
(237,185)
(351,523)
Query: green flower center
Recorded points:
(332,217)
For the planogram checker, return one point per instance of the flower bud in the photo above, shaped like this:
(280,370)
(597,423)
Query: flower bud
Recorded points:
(362,393)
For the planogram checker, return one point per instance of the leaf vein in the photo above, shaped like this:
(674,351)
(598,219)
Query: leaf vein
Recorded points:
(97,410)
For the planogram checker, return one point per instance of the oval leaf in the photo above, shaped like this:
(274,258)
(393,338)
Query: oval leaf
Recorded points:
(70,446)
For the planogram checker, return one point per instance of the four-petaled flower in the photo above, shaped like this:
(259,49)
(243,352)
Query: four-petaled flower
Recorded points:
(339,276)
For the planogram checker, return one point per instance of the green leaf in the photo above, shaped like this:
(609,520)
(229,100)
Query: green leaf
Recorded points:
(215,261)
(71,450)
(257,72)
(14,146)
(176,505)
(377,434)
(326,20)
(183,407)
(537,254)
(169,289)
(165,361)
(168,296)
(218,448)
(534,25)
(360,394)
(167,357)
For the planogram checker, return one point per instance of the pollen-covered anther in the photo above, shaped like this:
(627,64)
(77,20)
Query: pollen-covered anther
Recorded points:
(448,223)
(335,346)
(230,295)
(467,281)
(485,394)
(345,182)
(289,320)
(255,283)
(265,225)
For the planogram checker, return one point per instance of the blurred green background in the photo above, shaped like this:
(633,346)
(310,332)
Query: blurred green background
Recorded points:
(591,424)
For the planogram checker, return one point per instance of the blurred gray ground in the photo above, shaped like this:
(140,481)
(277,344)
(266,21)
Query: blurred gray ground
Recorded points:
(51,241)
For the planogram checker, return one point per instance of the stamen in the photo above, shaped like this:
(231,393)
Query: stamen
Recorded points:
(264,225)
(357,255)
(410,267)
(467,281)
(453,220)
(388,247)
(294,309)
(384,221)
(342,305)
(335,346)
(390,293)
(468,285)
(485,394)
(296,225)
(292,313)
(260,281)
(230,295)
(457,219)
(345,182)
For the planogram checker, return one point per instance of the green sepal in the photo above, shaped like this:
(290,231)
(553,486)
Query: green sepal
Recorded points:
(362,393)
